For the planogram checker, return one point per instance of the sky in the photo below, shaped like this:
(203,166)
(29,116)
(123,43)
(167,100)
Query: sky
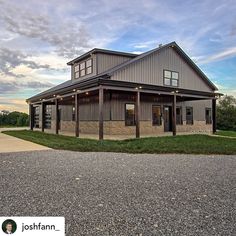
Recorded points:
(38,38)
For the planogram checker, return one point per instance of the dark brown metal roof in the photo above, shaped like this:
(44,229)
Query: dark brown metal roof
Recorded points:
(100,50)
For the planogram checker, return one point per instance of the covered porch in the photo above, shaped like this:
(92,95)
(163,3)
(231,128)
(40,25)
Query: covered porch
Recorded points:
(95,111)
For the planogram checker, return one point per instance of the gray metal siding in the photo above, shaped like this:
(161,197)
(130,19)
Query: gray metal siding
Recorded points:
(107,61)
(198,108)
(149,70)
(66,112)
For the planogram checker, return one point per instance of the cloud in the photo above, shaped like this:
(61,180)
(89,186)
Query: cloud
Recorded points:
(13,104)
(228,53)
(69,38)
(14,86)
(10,59)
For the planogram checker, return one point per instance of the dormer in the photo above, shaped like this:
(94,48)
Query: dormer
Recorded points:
(96,62)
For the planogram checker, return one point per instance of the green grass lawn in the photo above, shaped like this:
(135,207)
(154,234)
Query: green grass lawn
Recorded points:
(196,144)
(226,133)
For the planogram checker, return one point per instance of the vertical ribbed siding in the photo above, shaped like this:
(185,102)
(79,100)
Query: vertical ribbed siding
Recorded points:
(149,70)
(107,61)
(115,109)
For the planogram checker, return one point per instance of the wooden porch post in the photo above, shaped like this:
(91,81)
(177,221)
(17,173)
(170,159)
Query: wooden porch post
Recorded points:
(42,115)
(77,115)
(174,115)
(56,116)
(214,115)
(31,116)
(101,98)
(137,114)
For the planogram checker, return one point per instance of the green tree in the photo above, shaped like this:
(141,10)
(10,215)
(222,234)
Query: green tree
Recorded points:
(14,119)
(226,113)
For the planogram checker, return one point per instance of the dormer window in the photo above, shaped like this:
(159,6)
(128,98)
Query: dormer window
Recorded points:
(83,68)
(171,78)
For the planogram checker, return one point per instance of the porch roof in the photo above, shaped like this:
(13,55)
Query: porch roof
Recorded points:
(72,87)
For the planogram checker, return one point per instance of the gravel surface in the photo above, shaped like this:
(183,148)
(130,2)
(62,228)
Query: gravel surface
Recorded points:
(122,194)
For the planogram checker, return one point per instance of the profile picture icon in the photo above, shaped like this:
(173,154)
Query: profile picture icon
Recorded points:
(9,226)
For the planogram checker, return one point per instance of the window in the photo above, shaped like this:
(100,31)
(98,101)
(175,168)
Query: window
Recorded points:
(36,117)
(156,115)
(179,120)
(89,66)
(84,68)
(48,116)
(129,114)
(189,115)
(208,116)
(171,78)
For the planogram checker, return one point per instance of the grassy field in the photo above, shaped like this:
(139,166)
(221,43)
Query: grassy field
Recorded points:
(226,133)
(196,144)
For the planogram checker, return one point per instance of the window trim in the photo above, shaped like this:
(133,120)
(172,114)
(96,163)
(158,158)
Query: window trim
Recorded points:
(156,105)
(171,85)
(130,103)
(210,109)
(192,116)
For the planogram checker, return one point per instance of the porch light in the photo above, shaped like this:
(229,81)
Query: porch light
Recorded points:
(86,93)
(74,90)
(61,98)
(54,95)
(136,88)
(140,87)
(72,96)
(78,91)
(177,91)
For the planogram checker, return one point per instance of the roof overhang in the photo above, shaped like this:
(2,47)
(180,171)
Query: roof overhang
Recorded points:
(99,50)
(94,83)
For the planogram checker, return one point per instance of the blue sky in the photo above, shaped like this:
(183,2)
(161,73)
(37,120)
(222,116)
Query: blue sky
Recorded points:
(37,38)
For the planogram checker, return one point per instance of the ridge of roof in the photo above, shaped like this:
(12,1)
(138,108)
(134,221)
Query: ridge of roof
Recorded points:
(101,50)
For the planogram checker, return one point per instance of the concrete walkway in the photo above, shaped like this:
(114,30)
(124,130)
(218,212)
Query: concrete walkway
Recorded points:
(12,144)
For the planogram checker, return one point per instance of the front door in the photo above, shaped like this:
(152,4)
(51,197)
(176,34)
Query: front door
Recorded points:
(167,118)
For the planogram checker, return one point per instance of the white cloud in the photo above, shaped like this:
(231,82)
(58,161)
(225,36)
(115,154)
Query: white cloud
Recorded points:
(227,53)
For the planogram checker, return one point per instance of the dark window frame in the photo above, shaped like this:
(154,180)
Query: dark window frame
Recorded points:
(126,123)
(209,120)
(159,123)
(189,122)
(84,69)
(171,79)
(179,121)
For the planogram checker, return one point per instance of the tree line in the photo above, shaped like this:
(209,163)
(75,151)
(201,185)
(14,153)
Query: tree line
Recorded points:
(14,119)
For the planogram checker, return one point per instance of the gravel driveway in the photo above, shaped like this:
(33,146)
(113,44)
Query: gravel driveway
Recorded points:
(122,194)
